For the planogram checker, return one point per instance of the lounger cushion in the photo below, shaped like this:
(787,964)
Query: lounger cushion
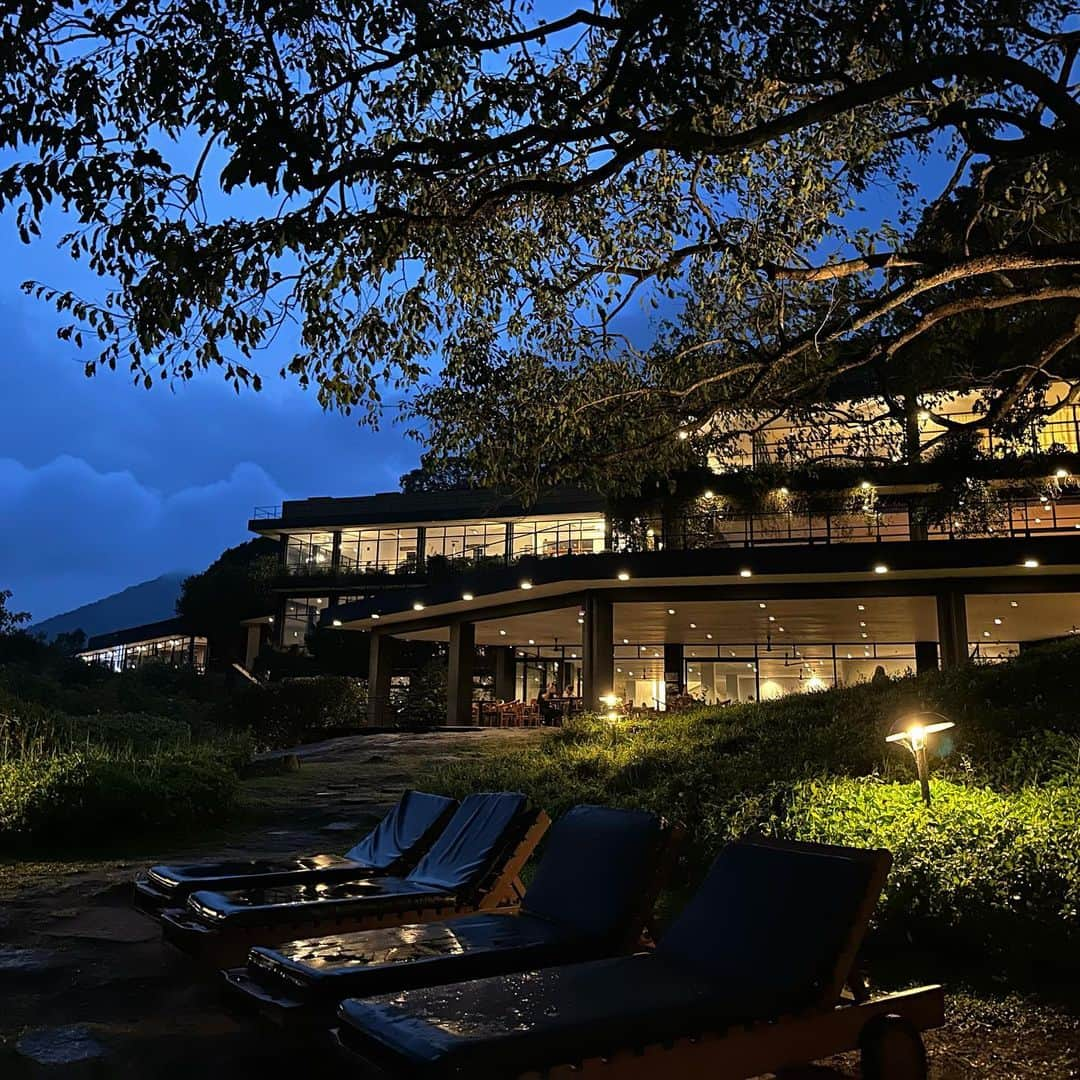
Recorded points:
(498,1026)
(772,921)
(283,904)
(179,881)
(477,833)
(405,829)
(596,866)
(402,957)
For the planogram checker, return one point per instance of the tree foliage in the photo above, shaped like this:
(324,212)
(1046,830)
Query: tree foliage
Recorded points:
(469,182)
(10,621)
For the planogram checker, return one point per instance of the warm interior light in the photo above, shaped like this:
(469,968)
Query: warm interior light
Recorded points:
(997,622)
(502,633)
(745,573)
(881,568)
(1061,473)
(376,615)
(709,636)
(671,611)
(337,622)
(466,596)
(623,575)
(1031,564)
(862,607)
(526,584)
(418,606)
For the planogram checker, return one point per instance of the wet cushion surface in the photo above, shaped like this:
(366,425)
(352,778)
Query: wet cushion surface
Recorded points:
(400,957)
(287,903)
(396,842)
(489,1027)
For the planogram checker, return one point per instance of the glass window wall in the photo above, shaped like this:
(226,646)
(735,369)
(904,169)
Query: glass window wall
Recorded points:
(387,551)
(584,536)
(309,553)
(301,617)
(479,541)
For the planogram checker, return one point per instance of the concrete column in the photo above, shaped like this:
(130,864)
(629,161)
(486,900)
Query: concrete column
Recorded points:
(674,671)
(598,655)
(380,668)
(253,645)
(505,683)
(926,656)
(952,628)
(459,677)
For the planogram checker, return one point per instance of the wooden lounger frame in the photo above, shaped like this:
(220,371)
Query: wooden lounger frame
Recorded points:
(229,946)
(767,1047)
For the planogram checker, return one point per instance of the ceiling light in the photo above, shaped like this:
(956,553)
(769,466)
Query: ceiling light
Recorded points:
(1031,564)
(861,623)
(626,641)
(862,607)
(526,584)
(376,615)
(986,633)
(772,618)
(763,606)
(418,606)
(466,596)
(693,626)
(671,611)
(502,633)
(619,670)
(997,622)
(337,622)
(866,635)
(709,636)
(623,575)
(531,641)
(1061,473)
(780,628)
(745,573)
(881,568)
(1013,603)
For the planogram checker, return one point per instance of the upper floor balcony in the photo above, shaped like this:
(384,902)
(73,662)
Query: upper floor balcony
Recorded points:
(332,560)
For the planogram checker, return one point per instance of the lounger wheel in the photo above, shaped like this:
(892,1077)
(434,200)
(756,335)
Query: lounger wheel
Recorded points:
(892,1049)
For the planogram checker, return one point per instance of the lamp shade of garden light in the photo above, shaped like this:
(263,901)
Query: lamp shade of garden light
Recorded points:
(914,732)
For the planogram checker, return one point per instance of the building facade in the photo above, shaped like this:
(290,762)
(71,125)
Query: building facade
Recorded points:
(170,642)
(748,584)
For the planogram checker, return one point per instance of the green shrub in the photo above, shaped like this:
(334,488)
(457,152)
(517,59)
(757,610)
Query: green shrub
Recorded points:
(978,868)
(287,712)
(91,796)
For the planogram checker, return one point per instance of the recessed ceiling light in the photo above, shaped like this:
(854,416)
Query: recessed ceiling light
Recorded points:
(861,623)
(502,633)
(693,626)
(780,628)
(997,622)
(619,670)
(862,607)
(772,618)
(709,636)
(580,620)
(531,642)
(1031,564)
(623,575)
(986,633)
(526,584)
(1013,603)
(466,596)
(745,572)
(866,635)
(376,615)
(881,568)
(626,641)
(671,611)
(337,622)
(573,656)
(418,606)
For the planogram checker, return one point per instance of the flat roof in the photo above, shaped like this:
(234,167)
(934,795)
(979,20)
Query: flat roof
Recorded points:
(131,635)
(391,507)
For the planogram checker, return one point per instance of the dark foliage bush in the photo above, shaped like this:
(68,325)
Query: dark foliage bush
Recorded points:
(93,796)
(287,712)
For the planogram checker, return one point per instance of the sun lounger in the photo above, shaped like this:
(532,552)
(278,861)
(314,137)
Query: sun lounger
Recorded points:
(394,846)
(591,896)
(748,980)
(473,865)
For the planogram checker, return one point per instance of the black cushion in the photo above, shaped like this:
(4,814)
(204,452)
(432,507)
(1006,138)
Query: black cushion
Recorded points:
(477,833)
(406,829)
(402,957)
(597,863)
(282,904)
(499,1026)
(771,920)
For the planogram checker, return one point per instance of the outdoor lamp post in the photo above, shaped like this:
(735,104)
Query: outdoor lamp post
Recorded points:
(611,704)
(913,732)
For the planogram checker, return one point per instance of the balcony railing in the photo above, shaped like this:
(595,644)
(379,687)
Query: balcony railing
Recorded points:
(266,513)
